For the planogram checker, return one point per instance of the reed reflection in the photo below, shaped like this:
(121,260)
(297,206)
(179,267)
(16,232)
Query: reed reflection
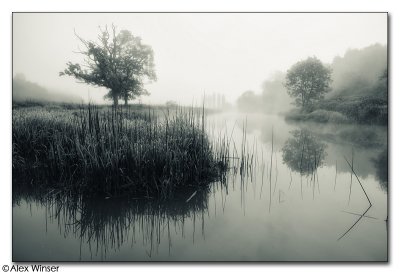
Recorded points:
(106,224)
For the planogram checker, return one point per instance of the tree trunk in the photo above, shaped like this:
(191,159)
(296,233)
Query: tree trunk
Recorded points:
(115,99)
(126,101)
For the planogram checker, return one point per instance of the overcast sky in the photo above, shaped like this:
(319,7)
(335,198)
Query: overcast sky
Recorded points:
(194,53)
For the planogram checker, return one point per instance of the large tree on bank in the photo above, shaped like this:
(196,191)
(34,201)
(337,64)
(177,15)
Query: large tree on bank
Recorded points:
(118,62)
(308,81)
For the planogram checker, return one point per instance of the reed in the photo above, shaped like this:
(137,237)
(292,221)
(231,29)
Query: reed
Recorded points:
(116,151)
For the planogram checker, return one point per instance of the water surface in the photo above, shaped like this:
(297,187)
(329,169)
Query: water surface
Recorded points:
(297,200)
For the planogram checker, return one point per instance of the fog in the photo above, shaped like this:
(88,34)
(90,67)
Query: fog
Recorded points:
(272,99)
(25,90)
(195,54)
(359,72)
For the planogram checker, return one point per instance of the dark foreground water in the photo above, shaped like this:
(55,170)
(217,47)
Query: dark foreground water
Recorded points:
(303,203)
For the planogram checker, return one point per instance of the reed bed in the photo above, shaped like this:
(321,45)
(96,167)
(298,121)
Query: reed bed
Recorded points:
(116,151)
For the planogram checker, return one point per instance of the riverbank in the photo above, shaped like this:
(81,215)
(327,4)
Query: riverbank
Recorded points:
(361,110)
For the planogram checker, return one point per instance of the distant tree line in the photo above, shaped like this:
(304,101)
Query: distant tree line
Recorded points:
(360,78)
(25,90)
(273,97)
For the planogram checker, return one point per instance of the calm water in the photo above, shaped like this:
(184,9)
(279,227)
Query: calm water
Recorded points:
(303,203)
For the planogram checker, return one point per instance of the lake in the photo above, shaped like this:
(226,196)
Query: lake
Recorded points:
(309,192)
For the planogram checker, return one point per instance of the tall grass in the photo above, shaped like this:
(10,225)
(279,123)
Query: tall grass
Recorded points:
(116,151)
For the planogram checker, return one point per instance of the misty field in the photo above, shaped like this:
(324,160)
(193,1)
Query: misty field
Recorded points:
(90,149)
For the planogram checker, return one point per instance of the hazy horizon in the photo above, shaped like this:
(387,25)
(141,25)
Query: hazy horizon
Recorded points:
(195,54)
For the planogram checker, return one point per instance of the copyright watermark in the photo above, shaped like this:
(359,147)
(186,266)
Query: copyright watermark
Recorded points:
(30,268)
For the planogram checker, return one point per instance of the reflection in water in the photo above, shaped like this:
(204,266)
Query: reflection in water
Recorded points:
(303,153)
(104,225)
(211,223)
(381,165)
(366,195)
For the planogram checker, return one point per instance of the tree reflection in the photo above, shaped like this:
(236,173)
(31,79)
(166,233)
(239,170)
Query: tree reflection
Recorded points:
(381,165)
(303,153)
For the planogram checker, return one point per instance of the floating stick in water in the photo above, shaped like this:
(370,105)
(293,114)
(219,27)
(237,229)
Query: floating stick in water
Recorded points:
(361,216)
(191,196)
(369,201)
(351,174)
(366,216)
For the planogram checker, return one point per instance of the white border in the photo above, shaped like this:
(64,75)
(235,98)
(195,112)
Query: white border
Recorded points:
(9,6)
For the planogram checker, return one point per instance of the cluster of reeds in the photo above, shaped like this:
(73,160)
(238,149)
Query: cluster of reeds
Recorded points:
(116,151)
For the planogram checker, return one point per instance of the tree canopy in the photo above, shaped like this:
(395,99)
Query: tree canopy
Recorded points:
(307,81)
(119,62)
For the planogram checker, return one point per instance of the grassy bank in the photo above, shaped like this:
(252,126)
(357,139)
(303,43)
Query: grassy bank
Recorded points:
(360,110)
(125,151)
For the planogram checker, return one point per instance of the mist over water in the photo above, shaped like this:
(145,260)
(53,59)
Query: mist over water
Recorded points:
(286,208)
